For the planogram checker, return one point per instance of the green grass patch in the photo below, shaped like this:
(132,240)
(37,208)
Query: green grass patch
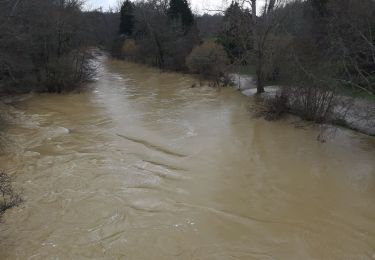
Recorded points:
(355,93)
(210,39)
(243,70)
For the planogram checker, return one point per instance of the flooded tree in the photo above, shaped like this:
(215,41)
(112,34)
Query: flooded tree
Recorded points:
(247,34)
(262,28)
(44,44)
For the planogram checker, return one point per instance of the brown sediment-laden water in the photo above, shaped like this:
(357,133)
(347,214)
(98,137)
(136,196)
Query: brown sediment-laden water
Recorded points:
(142,166)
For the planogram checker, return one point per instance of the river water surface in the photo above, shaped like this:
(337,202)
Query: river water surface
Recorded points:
(141,166)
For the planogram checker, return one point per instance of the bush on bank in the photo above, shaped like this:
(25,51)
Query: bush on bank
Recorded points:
(45,45)
(311,103)
(8,196)
(209,60)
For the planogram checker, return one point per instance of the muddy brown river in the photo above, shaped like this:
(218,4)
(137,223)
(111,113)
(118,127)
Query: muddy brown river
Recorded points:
(142,166)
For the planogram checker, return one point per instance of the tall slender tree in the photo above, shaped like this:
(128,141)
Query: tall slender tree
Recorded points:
(262,27)
(235,34)
(127,18)
(180,9)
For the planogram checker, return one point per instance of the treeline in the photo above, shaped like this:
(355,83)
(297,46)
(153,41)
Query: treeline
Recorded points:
(157,33)
(326,43)
(321,42)
(44,44)
(319,46)
(316,49)
(164,34)
(320,50)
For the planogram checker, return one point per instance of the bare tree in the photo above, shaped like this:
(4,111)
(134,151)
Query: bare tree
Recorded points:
(43,44)
(162,41)
(264,22)
(262,28)
(351,34)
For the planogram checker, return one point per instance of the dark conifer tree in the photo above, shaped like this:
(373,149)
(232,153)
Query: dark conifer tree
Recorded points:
(320,7)
(180,9)
(318,13)
(236,35)
(127,18)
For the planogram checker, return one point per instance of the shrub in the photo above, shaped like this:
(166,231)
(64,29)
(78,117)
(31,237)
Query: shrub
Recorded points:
(209,60)
(275,107)
(8,196)
(44,44)
(67,72)
(312,103)
(129,49)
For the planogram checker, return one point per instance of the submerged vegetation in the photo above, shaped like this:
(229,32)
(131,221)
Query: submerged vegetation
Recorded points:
(9,197)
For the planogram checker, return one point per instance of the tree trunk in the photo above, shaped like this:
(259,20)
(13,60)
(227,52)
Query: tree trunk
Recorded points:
(258,52)
(259,72)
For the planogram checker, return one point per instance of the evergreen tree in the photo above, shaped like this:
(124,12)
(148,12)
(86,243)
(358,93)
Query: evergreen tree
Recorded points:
(318,14)
(319,7)
(180,9)
(127,18)
(236,35)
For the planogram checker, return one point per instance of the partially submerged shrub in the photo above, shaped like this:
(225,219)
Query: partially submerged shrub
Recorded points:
(117,47)
(209,60)
(67,72)
(310,102)
(129,49)
(44,44)
(276,106)
(8,196)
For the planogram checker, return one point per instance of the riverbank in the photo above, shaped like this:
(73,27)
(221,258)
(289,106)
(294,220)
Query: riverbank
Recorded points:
(350,112)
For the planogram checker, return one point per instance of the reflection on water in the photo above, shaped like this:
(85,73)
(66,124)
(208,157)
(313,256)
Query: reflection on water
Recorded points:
(141,166)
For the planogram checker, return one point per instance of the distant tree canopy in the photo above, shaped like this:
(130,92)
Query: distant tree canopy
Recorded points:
(163,33)
(331,42)
(209,60)
(44,44)
(209,25)
(320,7)
(127,18)
(180,10)
(235,35)
(311,41)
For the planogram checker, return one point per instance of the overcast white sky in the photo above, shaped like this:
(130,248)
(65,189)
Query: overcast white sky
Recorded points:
(199,6)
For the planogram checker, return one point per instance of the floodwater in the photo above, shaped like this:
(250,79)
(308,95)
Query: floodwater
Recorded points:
(142,166)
